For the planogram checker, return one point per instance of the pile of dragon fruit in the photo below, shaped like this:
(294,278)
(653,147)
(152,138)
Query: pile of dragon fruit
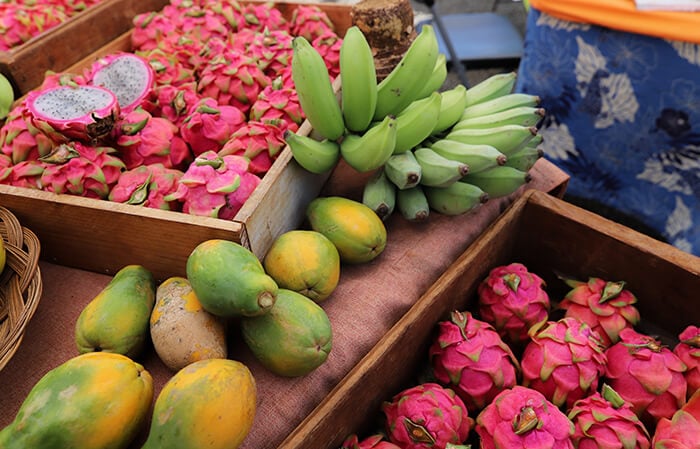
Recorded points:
(522,371)
(190,120)
(20,21)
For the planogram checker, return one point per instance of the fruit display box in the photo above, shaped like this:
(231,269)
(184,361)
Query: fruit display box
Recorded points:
(61,46)
(549,236)
(103,236)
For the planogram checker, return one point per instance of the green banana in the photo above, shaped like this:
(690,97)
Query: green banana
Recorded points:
(416,122)
(313,86)
(373,148)
(521,115)
(313,155)
(492,87)
(413,204)
(525,158)
(7,96)
(498,181)
(499,104)
(403,170)
(437,170)
(358,79)
(535,141)
(437,78)
(455,199)
(379,194)
(452,105)
(477,157)
(506,138)
(405,82)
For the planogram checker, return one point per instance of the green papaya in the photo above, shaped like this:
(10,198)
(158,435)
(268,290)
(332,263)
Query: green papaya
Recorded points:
(117,319)
(96,400)
(230,280)
(356,230)
(207,404)
(291,340)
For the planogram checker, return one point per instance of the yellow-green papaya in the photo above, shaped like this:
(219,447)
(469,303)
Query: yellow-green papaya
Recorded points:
(229,279)
(117,319)
(207,404)
(293,339)
(96,400)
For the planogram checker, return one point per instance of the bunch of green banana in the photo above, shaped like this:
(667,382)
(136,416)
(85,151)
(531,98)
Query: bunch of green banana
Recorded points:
(7,96)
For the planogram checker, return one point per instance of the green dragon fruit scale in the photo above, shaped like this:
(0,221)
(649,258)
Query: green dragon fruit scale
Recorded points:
(470,357)
(427,416)
(564,361)
(512,299)
(522,418)
(605,421)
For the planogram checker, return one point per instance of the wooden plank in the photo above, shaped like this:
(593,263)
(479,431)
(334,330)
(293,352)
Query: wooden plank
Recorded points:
(547,235)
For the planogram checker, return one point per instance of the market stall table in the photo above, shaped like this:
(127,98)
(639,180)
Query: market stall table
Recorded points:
(369,299)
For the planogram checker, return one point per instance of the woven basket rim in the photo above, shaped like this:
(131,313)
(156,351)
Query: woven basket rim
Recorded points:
(20,283)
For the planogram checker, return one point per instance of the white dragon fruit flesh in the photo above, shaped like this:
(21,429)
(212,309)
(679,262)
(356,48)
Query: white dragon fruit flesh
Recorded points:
(128,75)
(85,113)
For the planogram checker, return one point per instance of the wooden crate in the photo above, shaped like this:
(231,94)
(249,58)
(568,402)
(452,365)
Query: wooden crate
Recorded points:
(546,234)
(102,236)
(63,45)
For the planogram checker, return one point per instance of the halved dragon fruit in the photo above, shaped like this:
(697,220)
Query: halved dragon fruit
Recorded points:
(128,75)
(85,113)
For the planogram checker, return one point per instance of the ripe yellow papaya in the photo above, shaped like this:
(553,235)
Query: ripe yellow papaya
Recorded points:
(181,330)
(116,320)
(356,230)
(207,404)
(96,400)
(229,279)
(293,339)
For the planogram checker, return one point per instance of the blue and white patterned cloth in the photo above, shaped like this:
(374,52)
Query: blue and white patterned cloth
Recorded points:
(623,120)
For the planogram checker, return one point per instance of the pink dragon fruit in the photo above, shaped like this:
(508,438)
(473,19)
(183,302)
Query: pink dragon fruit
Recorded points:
(209,125)
(21,140)
(150,28)
(605,306)
(260,16)
(688,350)
(26,174)
(682,431)
(512,299)
(82,170)
(646,374)
(271,49)
(85,113)
(276,104)
(426,416)
(174,102)
(522,418)
(310,21)
(144,140)
(371,442)
(469,356)
(564,361)
(128,75)
(21,21)
(328,45)
(215,186)
(146,186)
(167,68)
(261,142)
(232,79)
(5,168)
(606,421)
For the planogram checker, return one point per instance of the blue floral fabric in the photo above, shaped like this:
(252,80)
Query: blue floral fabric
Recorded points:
(623,120)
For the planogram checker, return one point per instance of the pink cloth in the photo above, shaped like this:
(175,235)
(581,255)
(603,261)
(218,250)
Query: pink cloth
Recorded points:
(369,299)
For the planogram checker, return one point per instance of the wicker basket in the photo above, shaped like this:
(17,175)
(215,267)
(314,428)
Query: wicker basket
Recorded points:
(20,283)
